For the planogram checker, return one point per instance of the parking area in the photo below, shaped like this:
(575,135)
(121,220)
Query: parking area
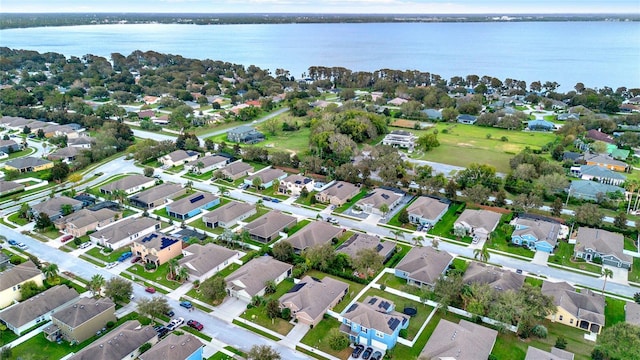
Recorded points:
(366,352)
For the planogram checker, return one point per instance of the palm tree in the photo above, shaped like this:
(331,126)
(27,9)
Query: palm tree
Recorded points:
(245,236)
(435,243)
(417,241)
(182,274)
(397,234)
(631,185)
(50,271)
(606,273)
(96,283)
(173,268)
(482,254)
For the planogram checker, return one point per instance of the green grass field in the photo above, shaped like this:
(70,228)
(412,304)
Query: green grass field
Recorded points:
(291,141)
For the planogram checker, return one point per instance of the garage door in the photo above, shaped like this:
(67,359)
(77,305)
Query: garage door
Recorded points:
(378,344)
(363,340)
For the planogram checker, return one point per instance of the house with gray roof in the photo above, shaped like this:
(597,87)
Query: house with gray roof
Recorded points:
(178,157)
(374,201)
(422,266)
(310,298)
(606,161)
(228,215)
(83,221)
(464,340)
(359,241)
(267,176)
(123,232)
(599,174)
(28,164)
(467,119)
(121,343)
(535,233)
(251,278)
(66,154)
(13,278)
(79,321)
(541,125)
(632,313)
(53,207)
(584,309)
(175,347)
(592,190)
(192,205)
(554,354)
(157,195)
(9,146)
(83,142)
(568,116)
(10,187)
(498,278)
(245,134)
(267,227)
(338,193)
(236,170)
(478,223)
(597,243)
(206,164)
(38,309)
(204,261)
(129,184)
(315,234)
(426,210)
(433,114)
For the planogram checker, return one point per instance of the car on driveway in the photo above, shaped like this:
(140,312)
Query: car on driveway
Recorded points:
(150,290)
(376,355)
(23,246)
(175,323)
(161,330)
(170,313)
(136,259)
(186,304)
(196,325)
(367,353)
(112,265)
(66,238)
(357,351)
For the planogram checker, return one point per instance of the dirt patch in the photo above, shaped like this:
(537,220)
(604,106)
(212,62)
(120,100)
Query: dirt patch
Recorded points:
(464,144)
(404,123)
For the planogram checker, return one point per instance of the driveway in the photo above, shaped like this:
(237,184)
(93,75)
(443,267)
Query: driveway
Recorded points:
(540,258)
(295,335)
(620,275)
(230,309)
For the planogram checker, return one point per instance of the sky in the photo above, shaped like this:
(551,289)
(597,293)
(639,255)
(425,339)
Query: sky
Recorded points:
(327,6)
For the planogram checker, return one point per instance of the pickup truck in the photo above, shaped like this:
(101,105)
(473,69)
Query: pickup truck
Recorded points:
(125,256)
(175,323)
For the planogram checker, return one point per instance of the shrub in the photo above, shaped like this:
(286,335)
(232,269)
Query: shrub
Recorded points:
(16,260)
(145,347)
(149,266)
(540,331)
(561,343)
(286,313)
(383,286)
(403,333)
(338,340)
(504,139)
(77,241)
(110,324)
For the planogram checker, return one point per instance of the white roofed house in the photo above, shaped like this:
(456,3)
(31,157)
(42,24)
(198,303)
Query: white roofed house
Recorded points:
(267,177)
(178,157)
(129,184)
(478,223)
(400,138)
(338,193)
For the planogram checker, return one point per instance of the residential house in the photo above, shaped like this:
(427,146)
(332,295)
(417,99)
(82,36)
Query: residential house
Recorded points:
(423,266)
(598,135)
(433,114)
(599,173)
(157,195)
(122,343)
(427,210)
(359,241)
(315,234)
(397,101)
(206,164)
(606,161)
(541,125)
(616,153)
(204,261)
(245,134)
(293,185)
(53,207)
(632,313)
(268,226)
(591,190)
(607,246)
(123,232)
(157,248)
(175,347)
(572,156)
(4,261)
(129,184)
(188,235)
(267,177)
(9,146)
(146,114)
(338,194)
(568,116)
(464,340)
(83,142)
(400,138)
(66,154)
(373,202)
(251,279)
(535,233)
(28,164)
(498,278)
(311,298)
(374,322)
(236,170)
(178,157)
(554,354)
(467,119)
(192,205)
(81,320)
(11,280)
(478,223)
(83,221)
(10,187)
(27,314)
(228,215)
(584,309)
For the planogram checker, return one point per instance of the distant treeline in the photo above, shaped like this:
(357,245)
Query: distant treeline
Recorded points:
(67,19)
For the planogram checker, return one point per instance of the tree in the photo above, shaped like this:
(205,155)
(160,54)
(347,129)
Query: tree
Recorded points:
(477,194)
(50,271)
(606,273)
(263,352)
(146,346)
(117,289)
(451,189)
(43,222)
(428,141)
(66,209)
(273,309)
(589,214)
(384,209)
(257,182)
(636,297)
(283,251)
(153,307)
(367,261)
(620,220)
(29,289)
(148,171)
(96,284)
(501,198)
(526,202)
(397,234)
(320,256)
(556,207)
(272,125)
(620,341)
(59,171)
(214,289)
(403,216)
(173,268)
(182,274)
(448,290)
(337,339)
(482,254)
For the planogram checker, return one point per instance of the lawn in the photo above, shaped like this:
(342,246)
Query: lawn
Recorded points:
(614,311)
(354,288)
(199,223)
(259,212)
(460,264)
(533,281)
(220,356)
(159,275)
(501,240)
(564,254)
(15,218)
(307,201)
(395,222)
(110,257)
(444,227)
(634,274)
(350,203)
(298,226)
(295,142)
(315,337)
(259,316)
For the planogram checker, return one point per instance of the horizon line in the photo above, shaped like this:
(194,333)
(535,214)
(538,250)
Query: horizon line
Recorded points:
(327,13)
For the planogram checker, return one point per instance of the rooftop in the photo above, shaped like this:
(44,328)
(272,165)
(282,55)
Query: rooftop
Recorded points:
(228,212)
(123,229)
(464,340)
(425,264)
(316,233)
(83,310)
(128,182)
(118,343)
(427,207)
(253,275)
(158,241)
(605,242)
(173,347)
(314,296)
(191,202)
(585,305)
(18,274)
(200,259)
(269,223)
(43,303)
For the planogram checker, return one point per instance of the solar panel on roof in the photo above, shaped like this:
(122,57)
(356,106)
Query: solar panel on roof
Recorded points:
(166,242)
(352,307)
(379,247)
(297,287)
(393,323)
(373,300)
(385,305)
(197,198)
(385,196)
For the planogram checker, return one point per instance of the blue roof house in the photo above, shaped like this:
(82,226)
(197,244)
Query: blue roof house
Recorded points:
(541,125)
(467,119)
(536,234)
(591,190)
(374,323)
(192,205)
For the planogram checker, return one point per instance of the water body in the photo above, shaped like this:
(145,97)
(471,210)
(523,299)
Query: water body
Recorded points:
(595,53)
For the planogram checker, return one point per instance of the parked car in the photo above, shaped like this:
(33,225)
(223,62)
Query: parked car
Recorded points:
(367,353)
(66,238)
(150,290)
(13,242)
(357,351)
(112,265)
(175,323)
(23,246)
(244,186)
(161,330)
(136,259)
(186,304)
(125,256)
(519,271)
(266,198)
(196,325)
(170,313)
(376,355)
(275,200)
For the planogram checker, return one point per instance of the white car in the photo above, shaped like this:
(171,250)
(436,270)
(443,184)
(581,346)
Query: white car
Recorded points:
(175,323)
(23,246)
(112,264)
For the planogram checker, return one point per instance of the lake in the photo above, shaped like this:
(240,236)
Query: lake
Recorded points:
(595,53)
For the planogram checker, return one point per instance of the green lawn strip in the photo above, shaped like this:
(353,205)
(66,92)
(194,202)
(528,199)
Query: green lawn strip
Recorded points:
(350,203)
(7,224)
(235,351)
(199,223)
(629,244)
(260,210)
(91,260)
(460,264)
(15,218)
(354,288)
(257,331)
(316,338)
(159,275)
(401,251)
(7,336)
(614,311)
(395,222)
(307,201)
(128,212)
(196,333)
(256,166)
(228,270)
(298,226)
(344,237)
(110,257)
(444,227)
(220,356)
(563,256)
(533,281)
(309,353)
(394,282)
(634,274)
(258,315)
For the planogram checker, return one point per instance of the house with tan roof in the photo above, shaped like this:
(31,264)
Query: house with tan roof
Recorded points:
(606,162)
(315,234)
(192,205)
(554,354)
(597,243)
(28,164)
(53,207)
(157,195)
(83,221)
(268,226)
(129,184)
(10,187)
(38,309)
(204,261)
(123,232)
(175,347)
(422,266)
(464,340)
(535,233)
(478,223)
(359,241)
(310,298)
(78,322)
(206,164)
(426,210)
(293,185)
(338,194)
(121,343)
(251,278)
(178,157)
(374,201)
(236,170)
(267,176)
(498,278)
(11,280)
(584,309)
(228,215)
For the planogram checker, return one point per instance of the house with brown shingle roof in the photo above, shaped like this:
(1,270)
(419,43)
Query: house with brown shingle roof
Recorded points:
(121,343)
(584,309)
(204,261)
(310,298)
(81,320)
(338,193)
(360,241)
(236,170)
(427,210)
(53,207)
(157,195)
(129,184)
(10,187)
(632,313)
(464,340)
(251,278)
(66,154)
(267,227)
(498,278)
(228,215)
(597,243)
(423,266)
(192,205)
(293,185)
(315,234)
(373,202)
(83,221)
(12,279)
(175,347)
(606,162)
(478,223)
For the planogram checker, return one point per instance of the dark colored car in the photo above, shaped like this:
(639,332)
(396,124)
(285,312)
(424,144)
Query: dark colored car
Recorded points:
(186,304)
(66,238)
(367,353)
(196,325)
(161,330)
(150,290)
(357,351)
(170,313)
(376,355)
(13,242)
(136,259)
